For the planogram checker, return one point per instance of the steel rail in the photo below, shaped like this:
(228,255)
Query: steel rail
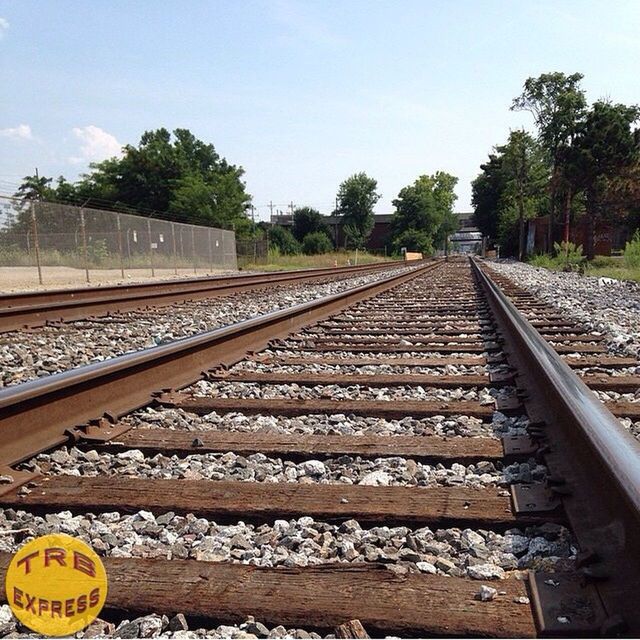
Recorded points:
(594,462)
(33,309)
(38,415)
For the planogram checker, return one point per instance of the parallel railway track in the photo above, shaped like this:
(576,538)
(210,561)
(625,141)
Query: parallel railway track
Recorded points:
(470,419)
(37,308)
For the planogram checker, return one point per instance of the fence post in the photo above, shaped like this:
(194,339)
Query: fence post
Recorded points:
(120,245)
(83,231)
(153,273)
(193,247)
(175,257)
(210,251)
(36,245)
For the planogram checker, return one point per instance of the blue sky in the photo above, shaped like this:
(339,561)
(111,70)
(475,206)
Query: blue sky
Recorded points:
(301,94)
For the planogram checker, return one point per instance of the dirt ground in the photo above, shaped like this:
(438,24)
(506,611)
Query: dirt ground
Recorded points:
(13,279)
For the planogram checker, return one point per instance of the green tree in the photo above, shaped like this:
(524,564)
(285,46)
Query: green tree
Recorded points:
(316,243)
(424,213)
(509,190)
(414,240)
(35,188)
(307,220)
(357,197)
(605,150)
(558,105)
(283,239)
(486,192)
(525,177)
(174,174)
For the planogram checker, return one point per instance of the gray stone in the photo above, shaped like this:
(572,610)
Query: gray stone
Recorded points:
(150,626)
(485,594)
(485,572)
(426,567)
(376,479)
(257,629)
(313,468)
(127,630)
(178,623)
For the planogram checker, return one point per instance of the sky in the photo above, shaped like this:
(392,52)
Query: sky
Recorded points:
(301,94)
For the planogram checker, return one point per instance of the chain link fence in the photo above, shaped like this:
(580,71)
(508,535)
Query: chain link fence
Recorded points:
(49,243)
(252,251)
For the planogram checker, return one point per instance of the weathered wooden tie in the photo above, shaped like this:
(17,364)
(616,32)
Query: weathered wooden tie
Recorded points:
(424,448)
(396,409)
(316,597)
(224,501)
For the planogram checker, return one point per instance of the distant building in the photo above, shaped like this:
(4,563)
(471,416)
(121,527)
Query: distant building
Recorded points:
(468,238)
(378,240)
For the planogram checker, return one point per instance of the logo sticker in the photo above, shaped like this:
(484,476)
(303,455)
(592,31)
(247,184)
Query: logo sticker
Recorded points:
(56,585)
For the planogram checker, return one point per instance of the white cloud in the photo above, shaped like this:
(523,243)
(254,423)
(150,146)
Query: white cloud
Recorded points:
(21,132)
(97,144)
(4,26)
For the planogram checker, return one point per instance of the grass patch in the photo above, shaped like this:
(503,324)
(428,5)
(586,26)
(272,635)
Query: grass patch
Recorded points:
(618,271)
(282,263)
(617,267)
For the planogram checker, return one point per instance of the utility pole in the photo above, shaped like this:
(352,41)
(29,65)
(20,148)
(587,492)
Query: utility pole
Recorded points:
(255,240)
(335,225)
(271,211)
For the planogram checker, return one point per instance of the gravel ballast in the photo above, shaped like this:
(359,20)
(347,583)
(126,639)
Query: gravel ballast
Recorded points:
(345,469)
(28,355)
(607,306)
(477,554)
(335,424)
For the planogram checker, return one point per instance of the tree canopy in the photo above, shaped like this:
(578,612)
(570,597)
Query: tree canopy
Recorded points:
(356,198)
(510,189)
(172,175)
(424,213)
(604,152)
(307,220)
(583,160)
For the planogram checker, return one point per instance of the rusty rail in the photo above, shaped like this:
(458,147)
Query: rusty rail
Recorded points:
(41,414)
(594,463)
(36,308)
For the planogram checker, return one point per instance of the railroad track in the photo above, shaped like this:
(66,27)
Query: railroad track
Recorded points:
(413,454)
(37,308)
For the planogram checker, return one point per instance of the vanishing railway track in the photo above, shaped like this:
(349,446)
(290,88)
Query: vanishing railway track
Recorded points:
(37,308)
(437,412)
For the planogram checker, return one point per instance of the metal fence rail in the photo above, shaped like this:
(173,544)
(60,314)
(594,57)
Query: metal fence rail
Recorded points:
(45,236)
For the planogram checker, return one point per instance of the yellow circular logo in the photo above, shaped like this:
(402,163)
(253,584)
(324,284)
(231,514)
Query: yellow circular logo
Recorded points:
(56,585)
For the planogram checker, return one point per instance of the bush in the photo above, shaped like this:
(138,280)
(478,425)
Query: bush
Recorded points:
(568,258)
(414,240)
(316,243)
(307,220)
(632,252)
(97,251)
(283,240)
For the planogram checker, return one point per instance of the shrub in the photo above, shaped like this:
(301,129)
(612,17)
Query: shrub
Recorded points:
(97,251)
(569,256)
(414,240)
(632,252)
(283,240)
(543,260)
(315,243)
